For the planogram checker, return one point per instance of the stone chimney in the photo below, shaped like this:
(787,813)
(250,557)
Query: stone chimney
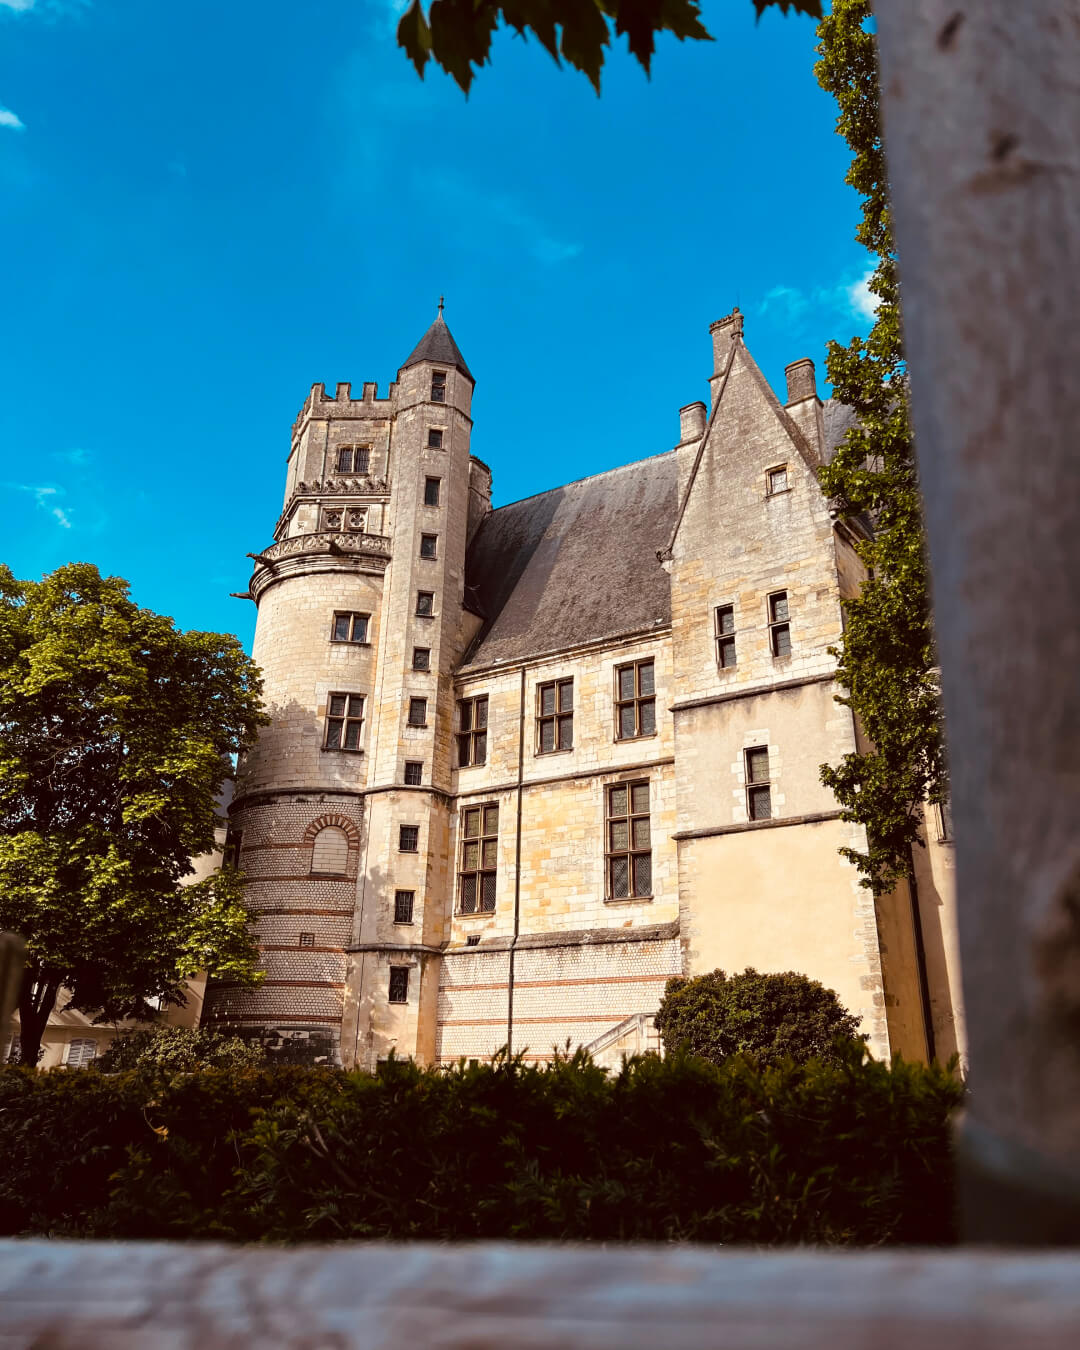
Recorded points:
(804,405)
(724,332)
(692,421)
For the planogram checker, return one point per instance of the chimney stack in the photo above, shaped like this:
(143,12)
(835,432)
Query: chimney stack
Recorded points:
(804,405)
(692,420)
(724,333)
(801,382)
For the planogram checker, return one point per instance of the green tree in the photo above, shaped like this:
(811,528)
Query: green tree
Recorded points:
(180,1050)
(887,658)
(116,733)
(456,34)
(772,1017)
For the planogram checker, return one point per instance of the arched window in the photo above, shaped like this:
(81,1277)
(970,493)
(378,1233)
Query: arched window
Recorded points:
(330,852)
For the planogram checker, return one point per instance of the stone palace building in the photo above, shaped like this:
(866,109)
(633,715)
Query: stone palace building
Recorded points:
(527,763)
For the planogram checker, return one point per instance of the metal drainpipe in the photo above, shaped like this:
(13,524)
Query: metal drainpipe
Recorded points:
(517,874)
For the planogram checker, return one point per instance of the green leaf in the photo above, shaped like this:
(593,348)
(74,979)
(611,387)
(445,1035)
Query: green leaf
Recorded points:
(414,35)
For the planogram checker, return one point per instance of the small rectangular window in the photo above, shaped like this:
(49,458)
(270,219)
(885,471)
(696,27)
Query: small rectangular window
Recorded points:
(554,716)
(725,636)
(438,386)
(425,604)
(230,856)
(81,1052)
(779,624)
(472,730)
(629,842)
(344,459)
(635,700)
(758,785)
(418,712)
(421,658)
(414,772)
(473,940)
(431,491)
(344,719)
(409,838)
(434,436)
(479,859)
(362,459)
(403,906)
(399,984)
(349,627)
(777,480)
(429,546)
(307,939)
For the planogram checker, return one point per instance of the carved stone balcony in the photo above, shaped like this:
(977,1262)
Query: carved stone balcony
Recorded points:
(325,550)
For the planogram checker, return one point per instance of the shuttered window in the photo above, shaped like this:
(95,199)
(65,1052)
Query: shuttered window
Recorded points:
(81,1053)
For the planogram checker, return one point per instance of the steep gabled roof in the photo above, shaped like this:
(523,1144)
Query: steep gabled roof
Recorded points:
(574,565)
(438,345)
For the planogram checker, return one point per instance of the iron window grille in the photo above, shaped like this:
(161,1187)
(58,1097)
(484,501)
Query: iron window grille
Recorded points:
(555,716)
(779,624)
(349,627)
(758,784)
(307,939)
(473,940)
(418,712)
(432,488)
(776,480)
(429,546)
(635,701)
(408,838)
(403,906)
(399,984)
(479,859)
(414,772)
(438,386)
(344,720)
(421,658)
(472,730)
(425,604)
(353,459)
(629,842)
(726,656)
(435,436)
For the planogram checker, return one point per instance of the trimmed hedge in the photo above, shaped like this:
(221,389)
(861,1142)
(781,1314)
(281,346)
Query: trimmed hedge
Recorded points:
(665,1150)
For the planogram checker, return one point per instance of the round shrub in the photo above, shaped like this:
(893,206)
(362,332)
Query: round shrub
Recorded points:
(180,1050)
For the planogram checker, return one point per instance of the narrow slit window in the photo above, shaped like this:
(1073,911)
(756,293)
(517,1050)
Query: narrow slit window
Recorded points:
(403,906)
(429,546)
(758,784)
(629,842)
(418,712)
(432,488)
(635,700)
(399,984)
(472,730)
(479,859)
(349,627)
(777,479)
(554,716)
(438,386)
(725,637)
(435,436)
(414,772)
(409,838)
(779,624)
(421,658)
(344,721)
(425,604)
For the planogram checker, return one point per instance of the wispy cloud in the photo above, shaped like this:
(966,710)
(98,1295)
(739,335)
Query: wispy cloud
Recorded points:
(76,456)
(7,117)
(46,9)
(45,498)
(488,216)
(793,305)
(17,5)
(861,298)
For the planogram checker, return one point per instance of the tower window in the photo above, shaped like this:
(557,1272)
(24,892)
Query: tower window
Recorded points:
(435,436)
(353,459)
(725,636)
(403,906)
(429,546)
(425,604)
(635,700)
(421,658)
(776,479)
(343,721)
(409,838)
(418,712)
(307,939)
(431,491)
(555,716)
(438,386)
(479,859)
(779,624)
(330,852)
(349,627)
(472,730)
(230,856)
(629,842)
(414,772)
(758,785)
(399,984)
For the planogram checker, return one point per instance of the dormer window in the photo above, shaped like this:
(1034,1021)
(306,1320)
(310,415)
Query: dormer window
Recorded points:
(438,386)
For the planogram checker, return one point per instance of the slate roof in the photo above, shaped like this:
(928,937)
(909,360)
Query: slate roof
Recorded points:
(574,565)
(438,345)
(838,419)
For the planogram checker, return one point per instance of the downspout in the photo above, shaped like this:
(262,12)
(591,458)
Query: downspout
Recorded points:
(517,874)
(920,961)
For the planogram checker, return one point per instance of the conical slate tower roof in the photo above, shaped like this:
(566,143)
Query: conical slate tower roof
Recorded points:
(438,345)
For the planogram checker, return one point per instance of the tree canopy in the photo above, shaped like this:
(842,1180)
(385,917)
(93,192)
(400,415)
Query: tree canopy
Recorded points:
(457,34)
(116,737)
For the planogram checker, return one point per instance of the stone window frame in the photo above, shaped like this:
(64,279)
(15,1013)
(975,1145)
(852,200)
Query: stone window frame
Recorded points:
(557,718)
(438,386)
(757,783)
(436,438)
(425,663)
(632,853)
(772,475)
(403,845)
(398,990)
(638,701)
(472,732)
(429,547)
(432,489)
(725,637)
(404,903)
(414,772)
(485,839)
(344,720)
(352,617)
(421,597)
(359,459)
(778,615)
(417,716)
(344,519)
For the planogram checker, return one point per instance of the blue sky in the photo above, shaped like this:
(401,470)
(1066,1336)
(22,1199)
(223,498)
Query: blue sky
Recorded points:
(206,207)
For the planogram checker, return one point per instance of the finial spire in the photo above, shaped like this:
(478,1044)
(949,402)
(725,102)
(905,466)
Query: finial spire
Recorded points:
(441,302)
